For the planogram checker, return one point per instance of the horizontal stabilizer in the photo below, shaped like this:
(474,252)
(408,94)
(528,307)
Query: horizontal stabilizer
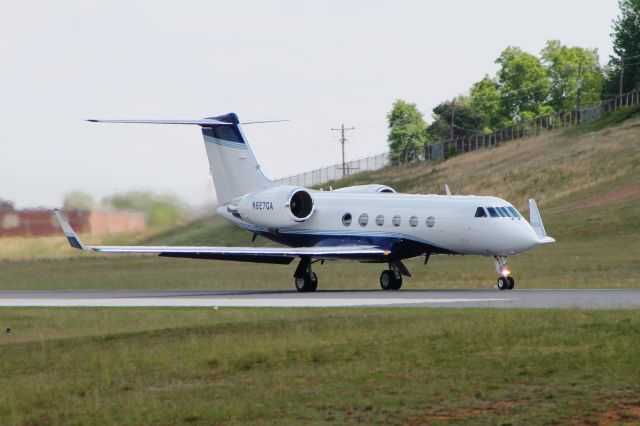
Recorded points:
(206,122)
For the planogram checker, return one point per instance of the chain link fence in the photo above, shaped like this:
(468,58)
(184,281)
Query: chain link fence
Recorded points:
(443,150)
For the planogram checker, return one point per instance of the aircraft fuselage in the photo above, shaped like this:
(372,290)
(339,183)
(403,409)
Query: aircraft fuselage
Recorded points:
(407,225)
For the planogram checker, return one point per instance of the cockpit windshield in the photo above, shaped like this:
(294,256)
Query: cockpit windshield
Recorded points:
(498,211)
(480,212)
(514,212)
(492,212)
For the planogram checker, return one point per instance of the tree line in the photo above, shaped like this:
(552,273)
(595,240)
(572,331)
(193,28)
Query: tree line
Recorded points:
(527,86)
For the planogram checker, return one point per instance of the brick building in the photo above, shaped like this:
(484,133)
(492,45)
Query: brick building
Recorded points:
(39,223)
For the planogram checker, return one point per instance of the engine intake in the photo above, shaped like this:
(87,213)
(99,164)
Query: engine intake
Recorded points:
(300,204)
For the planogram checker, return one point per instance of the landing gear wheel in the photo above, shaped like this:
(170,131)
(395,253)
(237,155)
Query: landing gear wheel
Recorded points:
(386,279)
(397,283)
(314,282)
(512,283)
(390,280)
(503,283)
(307,283)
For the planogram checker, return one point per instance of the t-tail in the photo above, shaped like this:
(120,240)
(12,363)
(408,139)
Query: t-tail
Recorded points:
(234,168)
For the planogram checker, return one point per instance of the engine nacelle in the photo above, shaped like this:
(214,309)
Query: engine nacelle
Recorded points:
(279,207)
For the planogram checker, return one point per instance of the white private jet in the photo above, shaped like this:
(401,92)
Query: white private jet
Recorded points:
(366,223)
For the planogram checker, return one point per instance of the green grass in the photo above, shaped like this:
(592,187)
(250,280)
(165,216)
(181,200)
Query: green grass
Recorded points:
(261,366)
(609,119)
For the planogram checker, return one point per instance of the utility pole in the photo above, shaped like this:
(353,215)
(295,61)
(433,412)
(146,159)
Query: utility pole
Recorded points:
(453,117)
(343,139)
(579,86)
(620,61)
(579,93)
(621,73)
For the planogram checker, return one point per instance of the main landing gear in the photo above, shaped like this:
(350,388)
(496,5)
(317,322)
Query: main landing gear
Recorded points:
(391,279)
(505,281)
(305,279)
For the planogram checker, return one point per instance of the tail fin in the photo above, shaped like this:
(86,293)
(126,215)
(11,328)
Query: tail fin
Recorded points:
(234,168)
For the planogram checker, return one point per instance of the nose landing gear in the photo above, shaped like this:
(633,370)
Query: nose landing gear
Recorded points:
(505,281)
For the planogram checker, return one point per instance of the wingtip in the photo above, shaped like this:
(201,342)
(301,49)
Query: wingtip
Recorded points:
(71,235)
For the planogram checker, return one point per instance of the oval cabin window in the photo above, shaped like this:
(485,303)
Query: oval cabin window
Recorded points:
(363,219)
(431,221)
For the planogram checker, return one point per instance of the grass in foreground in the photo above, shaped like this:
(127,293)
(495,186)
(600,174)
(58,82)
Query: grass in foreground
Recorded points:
(201,366)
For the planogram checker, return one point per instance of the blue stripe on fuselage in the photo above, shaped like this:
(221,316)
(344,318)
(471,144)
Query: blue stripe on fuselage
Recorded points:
(401,246)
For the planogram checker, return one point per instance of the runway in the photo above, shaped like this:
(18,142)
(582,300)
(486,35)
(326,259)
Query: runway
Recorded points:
(539,298)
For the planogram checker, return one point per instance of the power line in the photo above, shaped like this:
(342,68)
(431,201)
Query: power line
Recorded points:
(343,139)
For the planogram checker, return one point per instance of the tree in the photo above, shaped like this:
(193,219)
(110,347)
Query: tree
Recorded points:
(626,45)
(406,127)
(162,210)
(485,97)
(467,120)
(567,65)
(524,85)
(77,200)
(7,205)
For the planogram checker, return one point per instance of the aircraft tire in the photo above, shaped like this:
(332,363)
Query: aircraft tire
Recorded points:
(397,282)
(387,279)
(503,283)
(306,284)
(512,283)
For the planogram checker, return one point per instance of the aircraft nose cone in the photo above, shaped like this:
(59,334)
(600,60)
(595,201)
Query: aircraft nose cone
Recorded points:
(528,237)
(522,238)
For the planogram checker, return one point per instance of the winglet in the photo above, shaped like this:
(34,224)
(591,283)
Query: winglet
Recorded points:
(536,223)
(447,191)
(71,235)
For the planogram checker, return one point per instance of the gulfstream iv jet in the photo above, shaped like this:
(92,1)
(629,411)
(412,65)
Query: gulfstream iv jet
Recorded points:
(365,223)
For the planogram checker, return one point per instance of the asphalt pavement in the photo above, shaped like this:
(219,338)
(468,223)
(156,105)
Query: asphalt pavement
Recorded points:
(525,298)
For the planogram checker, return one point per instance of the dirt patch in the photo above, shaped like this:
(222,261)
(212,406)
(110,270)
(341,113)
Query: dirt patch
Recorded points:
(626,415)
(498,407)
(628,191)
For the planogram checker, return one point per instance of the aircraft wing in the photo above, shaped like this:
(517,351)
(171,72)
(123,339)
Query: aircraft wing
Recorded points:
(281,255)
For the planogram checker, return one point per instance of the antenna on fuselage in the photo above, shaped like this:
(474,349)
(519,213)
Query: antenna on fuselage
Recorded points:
(447,191)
